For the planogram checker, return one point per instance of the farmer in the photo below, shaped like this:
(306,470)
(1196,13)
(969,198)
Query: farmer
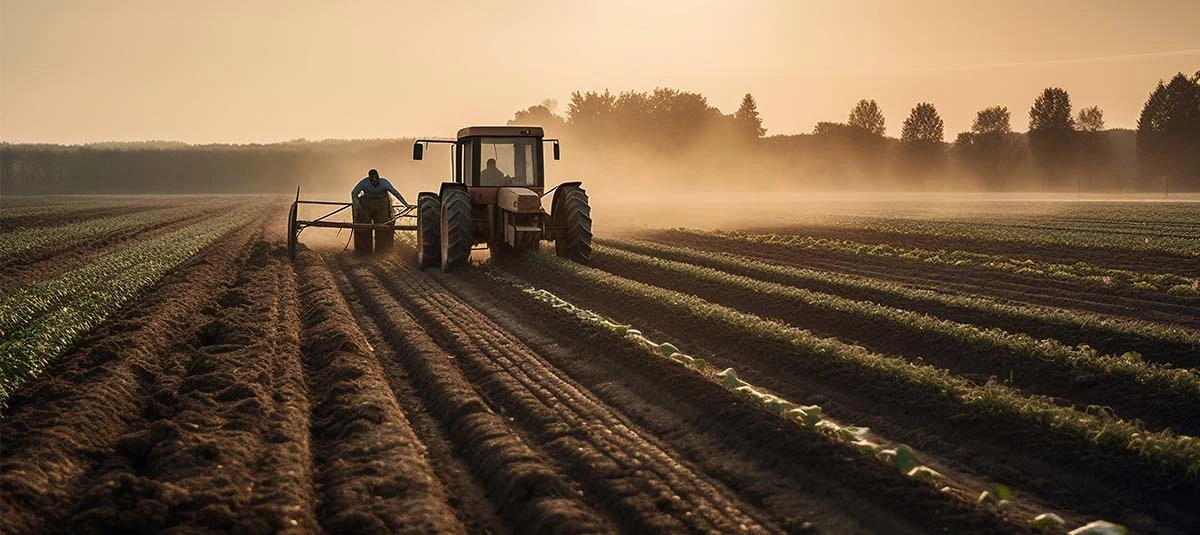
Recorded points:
(371,205)
(492,175)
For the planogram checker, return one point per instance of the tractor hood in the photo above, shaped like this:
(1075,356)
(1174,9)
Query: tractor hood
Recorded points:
(520,200)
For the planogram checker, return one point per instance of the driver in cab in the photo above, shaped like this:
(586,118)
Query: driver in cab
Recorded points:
(492,175)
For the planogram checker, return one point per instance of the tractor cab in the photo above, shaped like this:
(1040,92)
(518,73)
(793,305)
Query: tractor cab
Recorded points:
(496,199)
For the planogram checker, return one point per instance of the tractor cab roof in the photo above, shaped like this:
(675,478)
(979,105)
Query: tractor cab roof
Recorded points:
(501,131)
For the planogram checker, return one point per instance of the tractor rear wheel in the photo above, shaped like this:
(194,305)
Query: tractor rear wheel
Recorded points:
(456,228)
(575,214)
(429,230)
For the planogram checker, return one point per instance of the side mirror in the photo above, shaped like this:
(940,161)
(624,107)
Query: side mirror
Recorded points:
(418,151)
(555,150)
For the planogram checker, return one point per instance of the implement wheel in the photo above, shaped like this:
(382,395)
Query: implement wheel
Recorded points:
(573,212)
(456,227)
(429,230)
(292,232)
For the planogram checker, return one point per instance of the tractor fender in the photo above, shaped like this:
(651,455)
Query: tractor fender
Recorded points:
(451,185)
(554,215)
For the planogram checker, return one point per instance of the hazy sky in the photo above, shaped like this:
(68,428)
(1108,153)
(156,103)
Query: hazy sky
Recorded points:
(256,71)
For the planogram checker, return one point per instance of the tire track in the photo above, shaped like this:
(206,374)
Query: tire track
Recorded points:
(526,487)
(372,471)
(638,480)
(467,495)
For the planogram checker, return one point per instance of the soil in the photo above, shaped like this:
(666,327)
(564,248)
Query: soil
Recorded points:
(249,393)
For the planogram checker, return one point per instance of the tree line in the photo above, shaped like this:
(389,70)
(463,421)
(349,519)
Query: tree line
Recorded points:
(1063,150)
(689,142)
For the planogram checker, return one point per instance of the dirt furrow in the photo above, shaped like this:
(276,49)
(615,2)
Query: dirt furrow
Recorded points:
(1128,397)
(1127,302)
(372,472)
(1054,469)
(226,448)
(528,489)
(637,479)
(466,494)
(61,427)
(802,480)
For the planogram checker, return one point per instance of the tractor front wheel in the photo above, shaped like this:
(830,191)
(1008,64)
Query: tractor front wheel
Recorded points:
(575,215)
(429,230)
(456,228)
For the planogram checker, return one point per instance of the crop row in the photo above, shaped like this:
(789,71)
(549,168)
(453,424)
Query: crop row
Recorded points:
(1169,238)
(17,242)
(15,215)
(42,321)
(1172,456)
(1078,271)
(1103,326)
(1147,383)
(810,417)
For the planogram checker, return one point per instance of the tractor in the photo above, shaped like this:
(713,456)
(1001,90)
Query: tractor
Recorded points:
(494,202)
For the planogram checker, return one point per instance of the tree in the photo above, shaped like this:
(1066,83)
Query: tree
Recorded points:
(1051,111)
(921,143)
(1149,131)
(826,128)
(747,118)
(923,125)
(867,116)
(993,120)
(1091,119)
(1093,148)
(1051,135)
(990,149)
(1167,132)
(591,113)
(540,115)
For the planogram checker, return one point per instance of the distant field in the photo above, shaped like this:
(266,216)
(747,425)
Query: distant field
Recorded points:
(844,367)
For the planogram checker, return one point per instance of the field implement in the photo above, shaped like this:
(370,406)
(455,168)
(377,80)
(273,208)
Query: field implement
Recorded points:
(493,203)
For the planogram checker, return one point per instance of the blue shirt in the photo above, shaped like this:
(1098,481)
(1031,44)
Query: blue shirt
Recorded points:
(376,192)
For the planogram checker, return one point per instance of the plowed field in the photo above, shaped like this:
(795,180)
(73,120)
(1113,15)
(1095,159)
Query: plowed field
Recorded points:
(802,390)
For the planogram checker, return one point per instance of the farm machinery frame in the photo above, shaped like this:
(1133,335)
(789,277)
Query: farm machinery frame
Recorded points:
(493,202)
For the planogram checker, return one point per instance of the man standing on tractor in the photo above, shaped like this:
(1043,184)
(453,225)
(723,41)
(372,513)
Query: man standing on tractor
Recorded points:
(372,205)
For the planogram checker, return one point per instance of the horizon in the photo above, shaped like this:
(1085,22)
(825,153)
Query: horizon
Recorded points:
(212,78)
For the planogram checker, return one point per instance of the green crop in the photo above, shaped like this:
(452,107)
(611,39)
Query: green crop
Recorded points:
(40,322)
(20,241)
(1174,454)
(839,281)
(1150,380)
(1079,271)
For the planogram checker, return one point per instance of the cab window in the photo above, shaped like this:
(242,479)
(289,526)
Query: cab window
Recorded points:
(508,161)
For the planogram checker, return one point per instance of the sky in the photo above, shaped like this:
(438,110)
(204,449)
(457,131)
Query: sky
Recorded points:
(261,71)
